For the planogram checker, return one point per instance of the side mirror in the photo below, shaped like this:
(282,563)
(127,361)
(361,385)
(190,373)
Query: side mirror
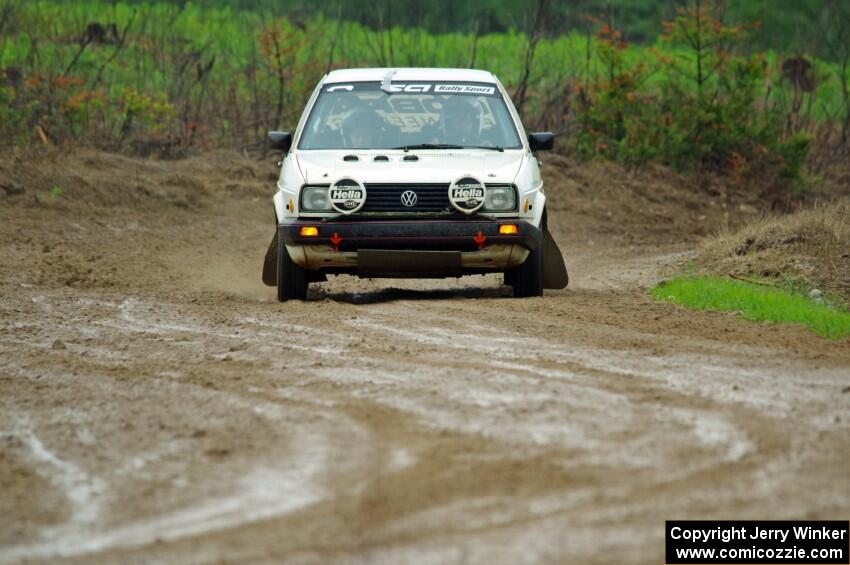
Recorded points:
(280,140)
(541,141)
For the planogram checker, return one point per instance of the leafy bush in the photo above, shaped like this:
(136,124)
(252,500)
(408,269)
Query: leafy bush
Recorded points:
(695,106)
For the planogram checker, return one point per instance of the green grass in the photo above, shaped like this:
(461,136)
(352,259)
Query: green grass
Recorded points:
(755,303)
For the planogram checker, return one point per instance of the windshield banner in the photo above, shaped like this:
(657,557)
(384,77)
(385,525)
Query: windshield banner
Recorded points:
(472,89)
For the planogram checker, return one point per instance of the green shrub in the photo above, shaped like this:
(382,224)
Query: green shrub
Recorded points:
(695,104)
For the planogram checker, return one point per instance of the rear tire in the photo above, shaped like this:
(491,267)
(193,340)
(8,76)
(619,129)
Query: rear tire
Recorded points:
(291,279)
(527,279)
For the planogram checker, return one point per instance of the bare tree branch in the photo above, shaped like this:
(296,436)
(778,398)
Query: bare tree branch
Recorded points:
(535,34)
(335,37)
(118,48)
(476,34)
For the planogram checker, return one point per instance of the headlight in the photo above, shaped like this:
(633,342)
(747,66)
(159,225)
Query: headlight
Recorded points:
(500,198)
(315,199)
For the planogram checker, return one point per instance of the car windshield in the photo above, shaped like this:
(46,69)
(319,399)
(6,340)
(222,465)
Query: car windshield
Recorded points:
(420,115)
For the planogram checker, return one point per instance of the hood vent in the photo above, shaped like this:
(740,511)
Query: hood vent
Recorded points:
(381,159)
(410,158)
(351,158)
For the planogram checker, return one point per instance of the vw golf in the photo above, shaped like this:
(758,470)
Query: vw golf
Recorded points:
(411,173)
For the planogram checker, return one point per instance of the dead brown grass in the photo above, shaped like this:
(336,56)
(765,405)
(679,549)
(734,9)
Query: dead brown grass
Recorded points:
(812,244)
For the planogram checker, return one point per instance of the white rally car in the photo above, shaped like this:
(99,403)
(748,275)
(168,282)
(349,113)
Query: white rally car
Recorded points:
(411,173)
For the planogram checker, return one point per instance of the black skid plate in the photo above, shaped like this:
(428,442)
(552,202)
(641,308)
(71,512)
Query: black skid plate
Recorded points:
(403,264)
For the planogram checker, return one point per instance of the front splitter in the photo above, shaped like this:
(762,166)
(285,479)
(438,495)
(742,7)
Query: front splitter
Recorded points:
(496,257)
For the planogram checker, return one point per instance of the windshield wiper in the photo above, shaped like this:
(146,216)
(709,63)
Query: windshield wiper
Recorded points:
(450,146)
(430,146)
(490,147)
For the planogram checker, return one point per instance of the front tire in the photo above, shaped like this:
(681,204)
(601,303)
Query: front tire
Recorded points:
(291,279)
(527,279)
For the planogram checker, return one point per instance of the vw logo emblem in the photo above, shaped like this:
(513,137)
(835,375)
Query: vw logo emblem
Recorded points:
(409,198)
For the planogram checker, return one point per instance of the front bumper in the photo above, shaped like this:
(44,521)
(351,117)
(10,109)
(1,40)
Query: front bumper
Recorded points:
(409,248)
(424,235)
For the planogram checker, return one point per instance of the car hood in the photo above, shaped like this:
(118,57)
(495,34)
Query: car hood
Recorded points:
(319,167)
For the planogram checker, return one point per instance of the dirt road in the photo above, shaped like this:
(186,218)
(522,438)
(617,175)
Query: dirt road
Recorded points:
(157,404)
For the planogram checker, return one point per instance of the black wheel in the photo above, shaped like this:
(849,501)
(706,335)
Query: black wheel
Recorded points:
(527,279)
(291,279)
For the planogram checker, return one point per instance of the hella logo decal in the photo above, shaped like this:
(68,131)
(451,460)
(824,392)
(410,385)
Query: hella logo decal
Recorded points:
(347,195)
(467,194)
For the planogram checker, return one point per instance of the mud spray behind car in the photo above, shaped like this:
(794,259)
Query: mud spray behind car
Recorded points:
(413,173)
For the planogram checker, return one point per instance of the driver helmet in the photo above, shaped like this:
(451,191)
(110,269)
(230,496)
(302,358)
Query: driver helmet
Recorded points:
(359,129)
(462,118)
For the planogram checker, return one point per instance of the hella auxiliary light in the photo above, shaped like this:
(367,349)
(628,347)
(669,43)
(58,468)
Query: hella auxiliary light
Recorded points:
(347,195)
(467,194)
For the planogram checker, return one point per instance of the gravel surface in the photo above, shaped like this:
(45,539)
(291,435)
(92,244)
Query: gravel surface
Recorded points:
(158,405)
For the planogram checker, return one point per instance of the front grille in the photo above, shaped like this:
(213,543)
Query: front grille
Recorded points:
(387,198)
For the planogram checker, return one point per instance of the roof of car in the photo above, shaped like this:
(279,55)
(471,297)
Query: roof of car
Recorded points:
(402,74)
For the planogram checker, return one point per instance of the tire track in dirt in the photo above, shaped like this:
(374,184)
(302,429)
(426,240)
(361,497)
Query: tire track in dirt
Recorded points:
(196,420)
(510,395)
(259,494)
